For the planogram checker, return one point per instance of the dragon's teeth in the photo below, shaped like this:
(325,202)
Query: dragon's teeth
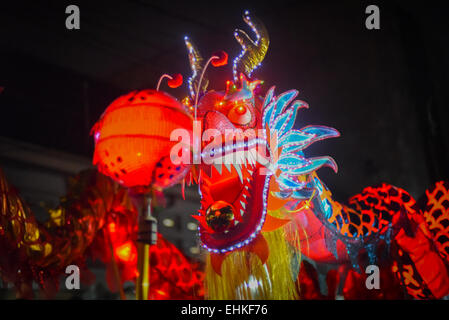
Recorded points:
(239,171)
(228,158)
(250,158)
(218,166)
(240,157)
(262,160)
(248,163)
(228,166)
(242,212)
(254,156)
(243,204)
(245,196)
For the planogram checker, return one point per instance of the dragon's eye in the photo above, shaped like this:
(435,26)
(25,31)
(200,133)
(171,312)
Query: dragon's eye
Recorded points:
(240,115)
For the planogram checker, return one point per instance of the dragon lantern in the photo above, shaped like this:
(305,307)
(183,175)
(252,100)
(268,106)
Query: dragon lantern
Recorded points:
(263,204)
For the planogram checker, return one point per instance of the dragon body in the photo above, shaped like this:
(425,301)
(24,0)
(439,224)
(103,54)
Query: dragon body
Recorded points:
(263,204)
(384,226)
(290,196)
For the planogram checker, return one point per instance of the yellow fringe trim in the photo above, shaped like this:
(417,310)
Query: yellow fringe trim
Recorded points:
(245,278)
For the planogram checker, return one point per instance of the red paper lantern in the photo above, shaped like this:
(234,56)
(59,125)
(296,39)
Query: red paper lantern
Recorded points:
(132,139)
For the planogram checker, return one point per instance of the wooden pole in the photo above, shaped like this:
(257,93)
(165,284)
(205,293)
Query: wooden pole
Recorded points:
(147,235)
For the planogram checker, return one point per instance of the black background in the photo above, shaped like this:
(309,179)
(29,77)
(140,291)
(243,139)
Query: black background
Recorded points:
(386,91)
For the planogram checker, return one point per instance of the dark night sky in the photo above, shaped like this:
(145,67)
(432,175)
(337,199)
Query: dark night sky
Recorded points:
(386,91)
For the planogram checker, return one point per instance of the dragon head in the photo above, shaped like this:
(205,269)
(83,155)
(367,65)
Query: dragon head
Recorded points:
(251,155)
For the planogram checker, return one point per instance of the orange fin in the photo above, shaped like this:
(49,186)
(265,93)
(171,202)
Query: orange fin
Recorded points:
(272,223)
(202,220)
(274,186)
(216,260)
(275,203)
(260,247)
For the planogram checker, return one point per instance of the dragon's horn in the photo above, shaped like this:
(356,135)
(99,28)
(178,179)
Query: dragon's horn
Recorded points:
(196,64)
(253,51)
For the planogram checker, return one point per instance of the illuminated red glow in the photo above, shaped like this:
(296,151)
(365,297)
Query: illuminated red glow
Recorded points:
(172,276)
(222,59)
(112,228)
(127,252)
(176,81)
(133,135)
(241,110)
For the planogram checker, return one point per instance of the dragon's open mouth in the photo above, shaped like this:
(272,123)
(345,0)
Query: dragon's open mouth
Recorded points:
(232,191)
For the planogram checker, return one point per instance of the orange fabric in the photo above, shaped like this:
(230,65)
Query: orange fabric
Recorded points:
(271,223)
(260,247)
(216,260)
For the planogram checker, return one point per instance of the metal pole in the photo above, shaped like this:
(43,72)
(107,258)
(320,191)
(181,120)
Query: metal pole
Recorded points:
(147,235)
